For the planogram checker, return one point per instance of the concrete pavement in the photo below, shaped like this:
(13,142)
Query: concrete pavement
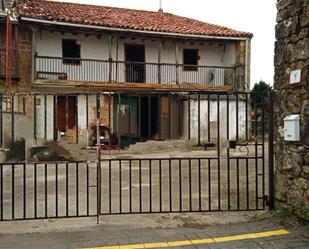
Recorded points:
(264,234)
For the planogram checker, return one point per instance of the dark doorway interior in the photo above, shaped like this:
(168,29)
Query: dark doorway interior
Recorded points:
(66,113)
(135,67)
(149,117)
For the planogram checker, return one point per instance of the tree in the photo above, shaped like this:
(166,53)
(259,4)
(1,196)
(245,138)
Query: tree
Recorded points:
(259,93)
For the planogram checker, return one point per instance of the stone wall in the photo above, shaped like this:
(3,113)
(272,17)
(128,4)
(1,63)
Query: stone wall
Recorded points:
(291,53)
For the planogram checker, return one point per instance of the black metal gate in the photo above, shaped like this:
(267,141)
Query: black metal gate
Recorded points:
(232,172)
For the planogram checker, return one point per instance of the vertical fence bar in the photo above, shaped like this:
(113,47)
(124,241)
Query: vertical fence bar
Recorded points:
(13,191)
(246,117)
(130,186)
(55,117)
(247,184)
(140,185)
(237,116)
(180,185)
(263,148)
(237,183)
(45,116)
(256,154)
(199,119)
(271,202)
(35,191)
(99,176)
(150,185)
(208,117)
(199,186)
(209,186)
(24,191)
(149,116)
(109,110)
(56,189)
(110,186)
(118,111)
(77,189)
(228,180)
(87,187)
(87,119)
(76,120)
(13,118)
(34,117)
(1,190)
(159,116)
(169,117)
(139,116)
(67,188)
(189,116)
(45,190)
(1,120)
(218,151)
(66,113)
(190,185)
(120,187)
(170,184)
(160,184)
(179,114)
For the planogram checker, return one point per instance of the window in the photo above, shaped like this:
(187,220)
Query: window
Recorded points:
(71,49)
(190,57)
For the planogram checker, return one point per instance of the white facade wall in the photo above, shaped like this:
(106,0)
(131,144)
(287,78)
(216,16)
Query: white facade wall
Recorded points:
(214,120)
(213,54)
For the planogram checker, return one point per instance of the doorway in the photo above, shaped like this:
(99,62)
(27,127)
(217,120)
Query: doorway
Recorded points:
(66,115)
(149,118)
(135,59)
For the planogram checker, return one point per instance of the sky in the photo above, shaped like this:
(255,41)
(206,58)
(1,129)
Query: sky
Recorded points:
(255,16)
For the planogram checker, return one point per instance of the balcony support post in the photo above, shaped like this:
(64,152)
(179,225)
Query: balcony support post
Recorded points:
(34,54)
(110,57)
(159,62)
(177,62)
(117,55)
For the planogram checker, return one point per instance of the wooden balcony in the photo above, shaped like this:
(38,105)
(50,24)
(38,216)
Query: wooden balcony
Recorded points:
(125,74)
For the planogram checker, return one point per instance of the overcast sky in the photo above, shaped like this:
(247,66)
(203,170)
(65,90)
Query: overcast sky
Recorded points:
(256,16)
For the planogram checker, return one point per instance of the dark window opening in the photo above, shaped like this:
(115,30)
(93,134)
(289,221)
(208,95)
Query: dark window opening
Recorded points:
(135,67)
(190,57)
(71,52)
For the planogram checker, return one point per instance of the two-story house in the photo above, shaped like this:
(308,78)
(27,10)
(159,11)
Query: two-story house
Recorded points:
(124,67)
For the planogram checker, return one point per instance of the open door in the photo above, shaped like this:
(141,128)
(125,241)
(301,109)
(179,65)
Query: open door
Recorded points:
(135,63)
(66,115)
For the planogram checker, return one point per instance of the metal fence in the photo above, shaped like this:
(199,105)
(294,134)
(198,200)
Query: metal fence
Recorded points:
(236,176)
(130,186)
(93,70)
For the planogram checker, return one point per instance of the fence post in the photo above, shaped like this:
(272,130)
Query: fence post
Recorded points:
(271,201)
(98,172)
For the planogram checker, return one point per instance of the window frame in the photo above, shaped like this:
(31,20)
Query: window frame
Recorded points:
(190,67)
(70,61)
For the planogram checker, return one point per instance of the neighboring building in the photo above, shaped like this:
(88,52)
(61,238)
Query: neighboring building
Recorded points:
(80,49)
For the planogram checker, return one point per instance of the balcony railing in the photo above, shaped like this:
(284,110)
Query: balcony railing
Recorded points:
(92,70)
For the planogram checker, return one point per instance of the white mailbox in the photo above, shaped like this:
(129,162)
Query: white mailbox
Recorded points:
(291,128)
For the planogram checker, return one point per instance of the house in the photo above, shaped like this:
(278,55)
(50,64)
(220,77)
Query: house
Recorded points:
(126,68)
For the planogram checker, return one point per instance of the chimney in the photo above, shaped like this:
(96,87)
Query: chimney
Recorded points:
(160,7)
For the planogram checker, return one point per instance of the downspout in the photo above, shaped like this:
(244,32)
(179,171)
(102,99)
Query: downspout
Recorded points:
(247,81)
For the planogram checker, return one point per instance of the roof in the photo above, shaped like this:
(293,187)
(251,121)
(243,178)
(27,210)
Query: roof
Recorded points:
(120,18)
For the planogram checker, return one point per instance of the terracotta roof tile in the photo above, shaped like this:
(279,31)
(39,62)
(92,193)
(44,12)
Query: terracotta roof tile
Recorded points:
(122,18)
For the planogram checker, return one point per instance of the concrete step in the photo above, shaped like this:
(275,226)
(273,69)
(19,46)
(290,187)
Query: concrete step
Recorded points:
(151,146)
